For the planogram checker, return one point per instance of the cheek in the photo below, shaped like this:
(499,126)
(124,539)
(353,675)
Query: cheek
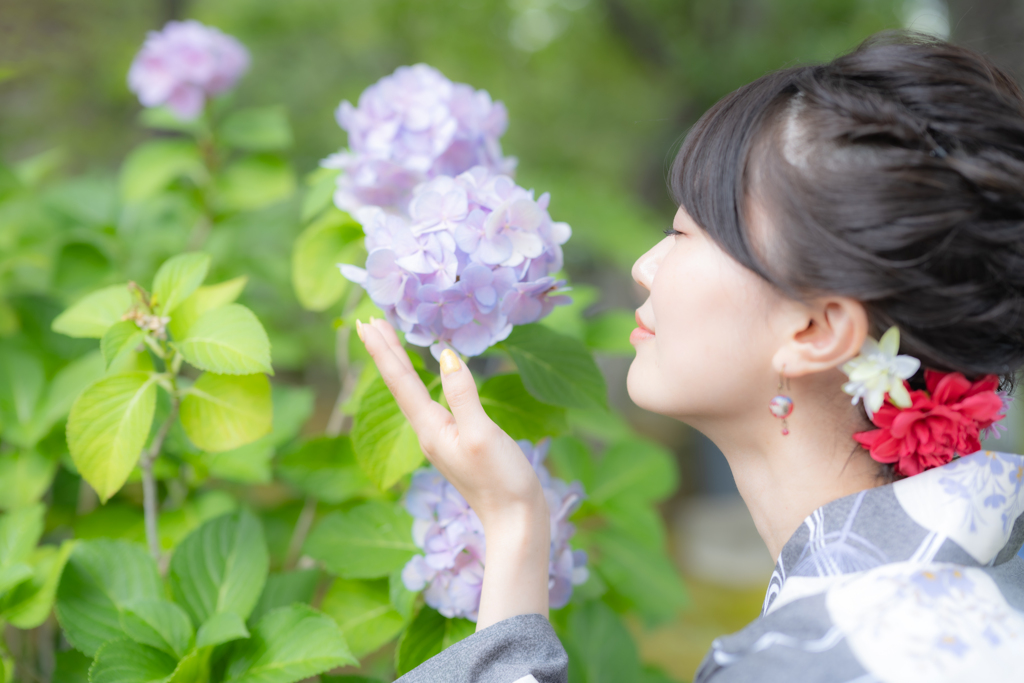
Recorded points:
(710,324)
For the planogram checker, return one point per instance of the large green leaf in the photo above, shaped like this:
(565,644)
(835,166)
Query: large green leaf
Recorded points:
(254,182)
(72,667)
(220,567)
(177,279)
(289,644)
(229,341)
(326,469)
(108,427)
(636,469)
(100,579)
(152,166)
(519,414)
(126,661)
(202,300)
(331,239)
(364,612)
(257,129)
(66,386)
(555,368)
(601,649)
(427,635)
(158,623)
(19,532)
(385,444)
(24,478)
(119,341)
(221,412)
(285,588)
(30,603)
(92,315)
(222,627)
(645,576)
(367,542)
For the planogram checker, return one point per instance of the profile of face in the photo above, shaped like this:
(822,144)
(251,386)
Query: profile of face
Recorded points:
(714,336)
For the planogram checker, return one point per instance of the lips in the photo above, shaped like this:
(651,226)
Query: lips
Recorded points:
(641,333)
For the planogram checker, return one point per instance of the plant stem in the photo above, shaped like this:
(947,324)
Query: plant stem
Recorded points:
(150,504)
(302,527)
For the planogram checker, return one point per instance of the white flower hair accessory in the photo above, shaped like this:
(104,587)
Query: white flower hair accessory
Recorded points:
(878,371)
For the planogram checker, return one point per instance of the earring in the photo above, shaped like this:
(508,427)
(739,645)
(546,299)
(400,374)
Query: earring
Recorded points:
(782,406)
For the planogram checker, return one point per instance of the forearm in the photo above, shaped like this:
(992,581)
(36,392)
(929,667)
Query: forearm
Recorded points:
(516,566)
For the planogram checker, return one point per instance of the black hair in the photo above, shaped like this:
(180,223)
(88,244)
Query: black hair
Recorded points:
(894,175)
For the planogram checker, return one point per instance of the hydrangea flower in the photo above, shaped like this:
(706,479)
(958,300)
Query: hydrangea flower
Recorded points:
(878,371)
(184,64)
(450,571)
(471,257)
(412,126)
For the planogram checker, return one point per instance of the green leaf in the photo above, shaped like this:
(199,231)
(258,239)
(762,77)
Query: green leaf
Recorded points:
(609,332)
(363,611)
(427,635)
(220,567)
(30,603)
(254,182)
(194,667)
(248,464)
(177,279)
(92,315)
(331,239)
(556,369)
(158,623)
(152,166)
(67,384)
(637,469)
(289,644)
(221,412)
(20,530)
(126,661)
(202,300)
(72,667)
(119,341)
(644,576)
(367,542)
(257,129)
(24,478)
(385,444)
(326,469)
(600,647)
(163,118)
(108,427)
(572,461)
(321,183)
(283,589)
(100,579)
(519,414)
(222,627)
(228,340)
(21,385)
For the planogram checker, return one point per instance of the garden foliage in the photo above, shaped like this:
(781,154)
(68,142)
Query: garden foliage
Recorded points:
(179,511)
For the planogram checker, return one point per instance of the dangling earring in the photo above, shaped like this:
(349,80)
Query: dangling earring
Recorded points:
(782,406)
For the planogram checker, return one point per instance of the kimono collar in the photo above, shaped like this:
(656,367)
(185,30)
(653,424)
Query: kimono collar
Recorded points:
(969,512)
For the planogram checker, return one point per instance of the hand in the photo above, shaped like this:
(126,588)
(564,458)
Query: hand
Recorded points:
(486,466)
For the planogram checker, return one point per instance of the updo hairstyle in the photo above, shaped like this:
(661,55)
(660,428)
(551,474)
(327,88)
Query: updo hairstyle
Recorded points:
(893,175)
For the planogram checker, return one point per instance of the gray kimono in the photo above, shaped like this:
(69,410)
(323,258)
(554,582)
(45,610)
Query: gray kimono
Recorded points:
(916,581)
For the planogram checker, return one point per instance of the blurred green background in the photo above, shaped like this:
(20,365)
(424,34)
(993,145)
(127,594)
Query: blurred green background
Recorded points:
(599,94)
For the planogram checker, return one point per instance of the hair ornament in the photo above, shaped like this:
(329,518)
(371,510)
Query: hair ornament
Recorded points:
(879,371)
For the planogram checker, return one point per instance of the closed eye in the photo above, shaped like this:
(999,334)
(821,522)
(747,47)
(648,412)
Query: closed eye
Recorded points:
(669,232)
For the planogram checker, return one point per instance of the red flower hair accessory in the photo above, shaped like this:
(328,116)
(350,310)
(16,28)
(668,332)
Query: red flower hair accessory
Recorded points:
(942,422)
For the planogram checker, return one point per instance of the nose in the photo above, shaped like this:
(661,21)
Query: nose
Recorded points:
(647,265)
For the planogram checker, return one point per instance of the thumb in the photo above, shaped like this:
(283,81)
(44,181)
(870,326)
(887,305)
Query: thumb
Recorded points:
(460,391)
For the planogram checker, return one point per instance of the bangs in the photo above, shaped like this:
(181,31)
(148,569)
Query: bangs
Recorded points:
(710,175)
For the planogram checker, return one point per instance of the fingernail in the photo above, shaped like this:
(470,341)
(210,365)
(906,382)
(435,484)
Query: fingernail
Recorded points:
(449,362)
(359,330)
(372,319)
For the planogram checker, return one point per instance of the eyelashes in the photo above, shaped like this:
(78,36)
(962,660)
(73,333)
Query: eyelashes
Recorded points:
(669,232)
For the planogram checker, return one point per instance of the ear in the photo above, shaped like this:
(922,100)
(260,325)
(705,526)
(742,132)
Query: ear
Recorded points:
(829,332)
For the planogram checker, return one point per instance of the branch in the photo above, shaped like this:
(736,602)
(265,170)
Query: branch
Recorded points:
(149,495)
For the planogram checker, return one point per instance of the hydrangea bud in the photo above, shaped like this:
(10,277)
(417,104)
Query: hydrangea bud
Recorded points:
(450,570)
(184,64)
(471,257)
(412,126)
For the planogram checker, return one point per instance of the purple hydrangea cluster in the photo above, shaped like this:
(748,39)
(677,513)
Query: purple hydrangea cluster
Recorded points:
(450,572)
(410,127)
(184,64)
(471,257)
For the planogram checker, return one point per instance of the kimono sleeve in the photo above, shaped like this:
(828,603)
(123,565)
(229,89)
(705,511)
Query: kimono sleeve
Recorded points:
(510,651)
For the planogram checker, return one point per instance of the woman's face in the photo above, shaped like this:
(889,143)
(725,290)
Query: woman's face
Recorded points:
(706,352)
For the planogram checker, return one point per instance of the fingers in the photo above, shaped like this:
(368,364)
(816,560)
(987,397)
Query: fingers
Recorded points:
(426,416)
(391,338)
(463,399)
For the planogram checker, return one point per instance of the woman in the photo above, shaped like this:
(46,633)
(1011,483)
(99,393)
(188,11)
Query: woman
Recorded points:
(820,207)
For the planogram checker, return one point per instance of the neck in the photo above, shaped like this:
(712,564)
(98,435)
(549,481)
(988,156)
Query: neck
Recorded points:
(783,479)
